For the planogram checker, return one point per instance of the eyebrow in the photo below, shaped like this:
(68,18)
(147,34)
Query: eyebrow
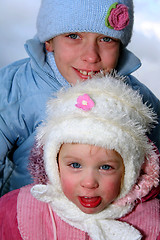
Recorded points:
(71,156)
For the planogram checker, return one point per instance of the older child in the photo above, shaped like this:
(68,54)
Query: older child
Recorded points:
(99,168)
(75,40)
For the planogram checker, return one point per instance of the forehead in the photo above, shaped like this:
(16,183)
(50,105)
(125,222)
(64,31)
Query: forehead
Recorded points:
(76,149)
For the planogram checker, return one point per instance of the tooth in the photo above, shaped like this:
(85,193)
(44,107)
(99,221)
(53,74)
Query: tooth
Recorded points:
(84,73)
(90,73)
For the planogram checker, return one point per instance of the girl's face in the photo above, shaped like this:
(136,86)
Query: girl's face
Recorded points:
(80,55)
(91,176)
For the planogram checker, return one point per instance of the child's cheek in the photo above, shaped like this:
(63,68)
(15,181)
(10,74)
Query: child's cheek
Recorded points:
(112,190)
(67,187)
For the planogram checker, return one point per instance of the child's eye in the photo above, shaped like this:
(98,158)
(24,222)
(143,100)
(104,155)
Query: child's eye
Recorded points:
(105,167)
(106,39)
(75,165)
(73,36)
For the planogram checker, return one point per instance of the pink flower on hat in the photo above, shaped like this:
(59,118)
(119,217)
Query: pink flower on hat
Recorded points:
(85,102)
(117,17)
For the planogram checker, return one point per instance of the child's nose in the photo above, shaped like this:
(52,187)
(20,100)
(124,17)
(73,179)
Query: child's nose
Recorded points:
(89,180)
(90,53)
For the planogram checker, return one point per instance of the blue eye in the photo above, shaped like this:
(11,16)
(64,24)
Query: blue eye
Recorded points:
(75,165)
(107,39)
(73,36)
(105,167)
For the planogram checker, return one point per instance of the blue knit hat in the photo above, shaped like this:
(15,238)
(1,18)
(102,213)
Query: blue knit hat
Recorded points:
(108,17)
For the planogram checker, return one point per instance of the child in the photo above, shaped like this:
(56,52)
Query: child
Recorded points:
(99,166)
(74,41)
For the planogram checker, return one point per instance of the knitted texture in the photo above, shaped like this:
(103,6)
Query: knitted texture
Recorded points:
(111,18)
(8,217)
(33,214)
(35,220)
(146,218)
(32,223)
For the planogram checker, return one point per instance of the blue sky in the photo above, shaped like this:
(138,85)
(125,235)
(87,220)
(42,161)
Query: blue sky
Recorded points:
(17,24)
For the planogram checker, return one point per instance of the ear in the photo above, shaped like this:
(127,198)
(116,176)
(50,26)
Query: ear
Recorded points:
(49,45)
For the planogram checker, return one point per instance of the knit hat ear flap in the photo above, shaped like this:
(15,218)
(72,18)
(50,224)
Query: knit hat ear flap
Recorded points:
(108,17)
(148,179)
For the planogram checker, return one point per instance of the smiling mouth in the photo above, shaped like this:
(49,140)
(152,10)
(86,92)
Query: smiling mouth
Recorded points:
(90,202)
(87,73)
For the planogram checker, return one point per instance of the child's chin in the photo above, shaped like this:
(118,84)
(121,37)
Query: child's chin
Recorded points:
(90,210)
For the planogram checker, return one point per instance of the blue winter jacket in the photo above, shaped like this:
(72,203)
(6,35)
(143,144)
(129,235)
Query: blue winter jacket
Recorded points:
(25,86)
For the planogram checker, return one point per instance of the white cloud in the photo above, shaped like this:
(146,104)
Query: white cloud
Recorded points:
(148,28)
(147,17)
(17,24)
(146,42)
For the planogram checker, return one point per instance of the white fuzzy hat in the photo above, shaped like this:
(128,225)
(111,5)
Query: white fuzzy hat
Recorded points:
(105,112)
(117,120)
(108,17)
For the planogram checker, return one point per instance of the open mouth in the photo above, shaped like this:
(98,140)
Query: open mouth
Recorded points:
(84,74)
(90,202)
(88,73)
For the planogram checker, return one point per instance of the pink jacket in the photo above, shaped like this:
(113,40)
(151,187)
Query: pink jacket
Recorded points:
(24,217)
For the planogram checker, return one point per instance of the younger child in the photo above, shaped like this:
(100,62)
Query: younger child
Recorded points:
(75,40)
(99,169)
